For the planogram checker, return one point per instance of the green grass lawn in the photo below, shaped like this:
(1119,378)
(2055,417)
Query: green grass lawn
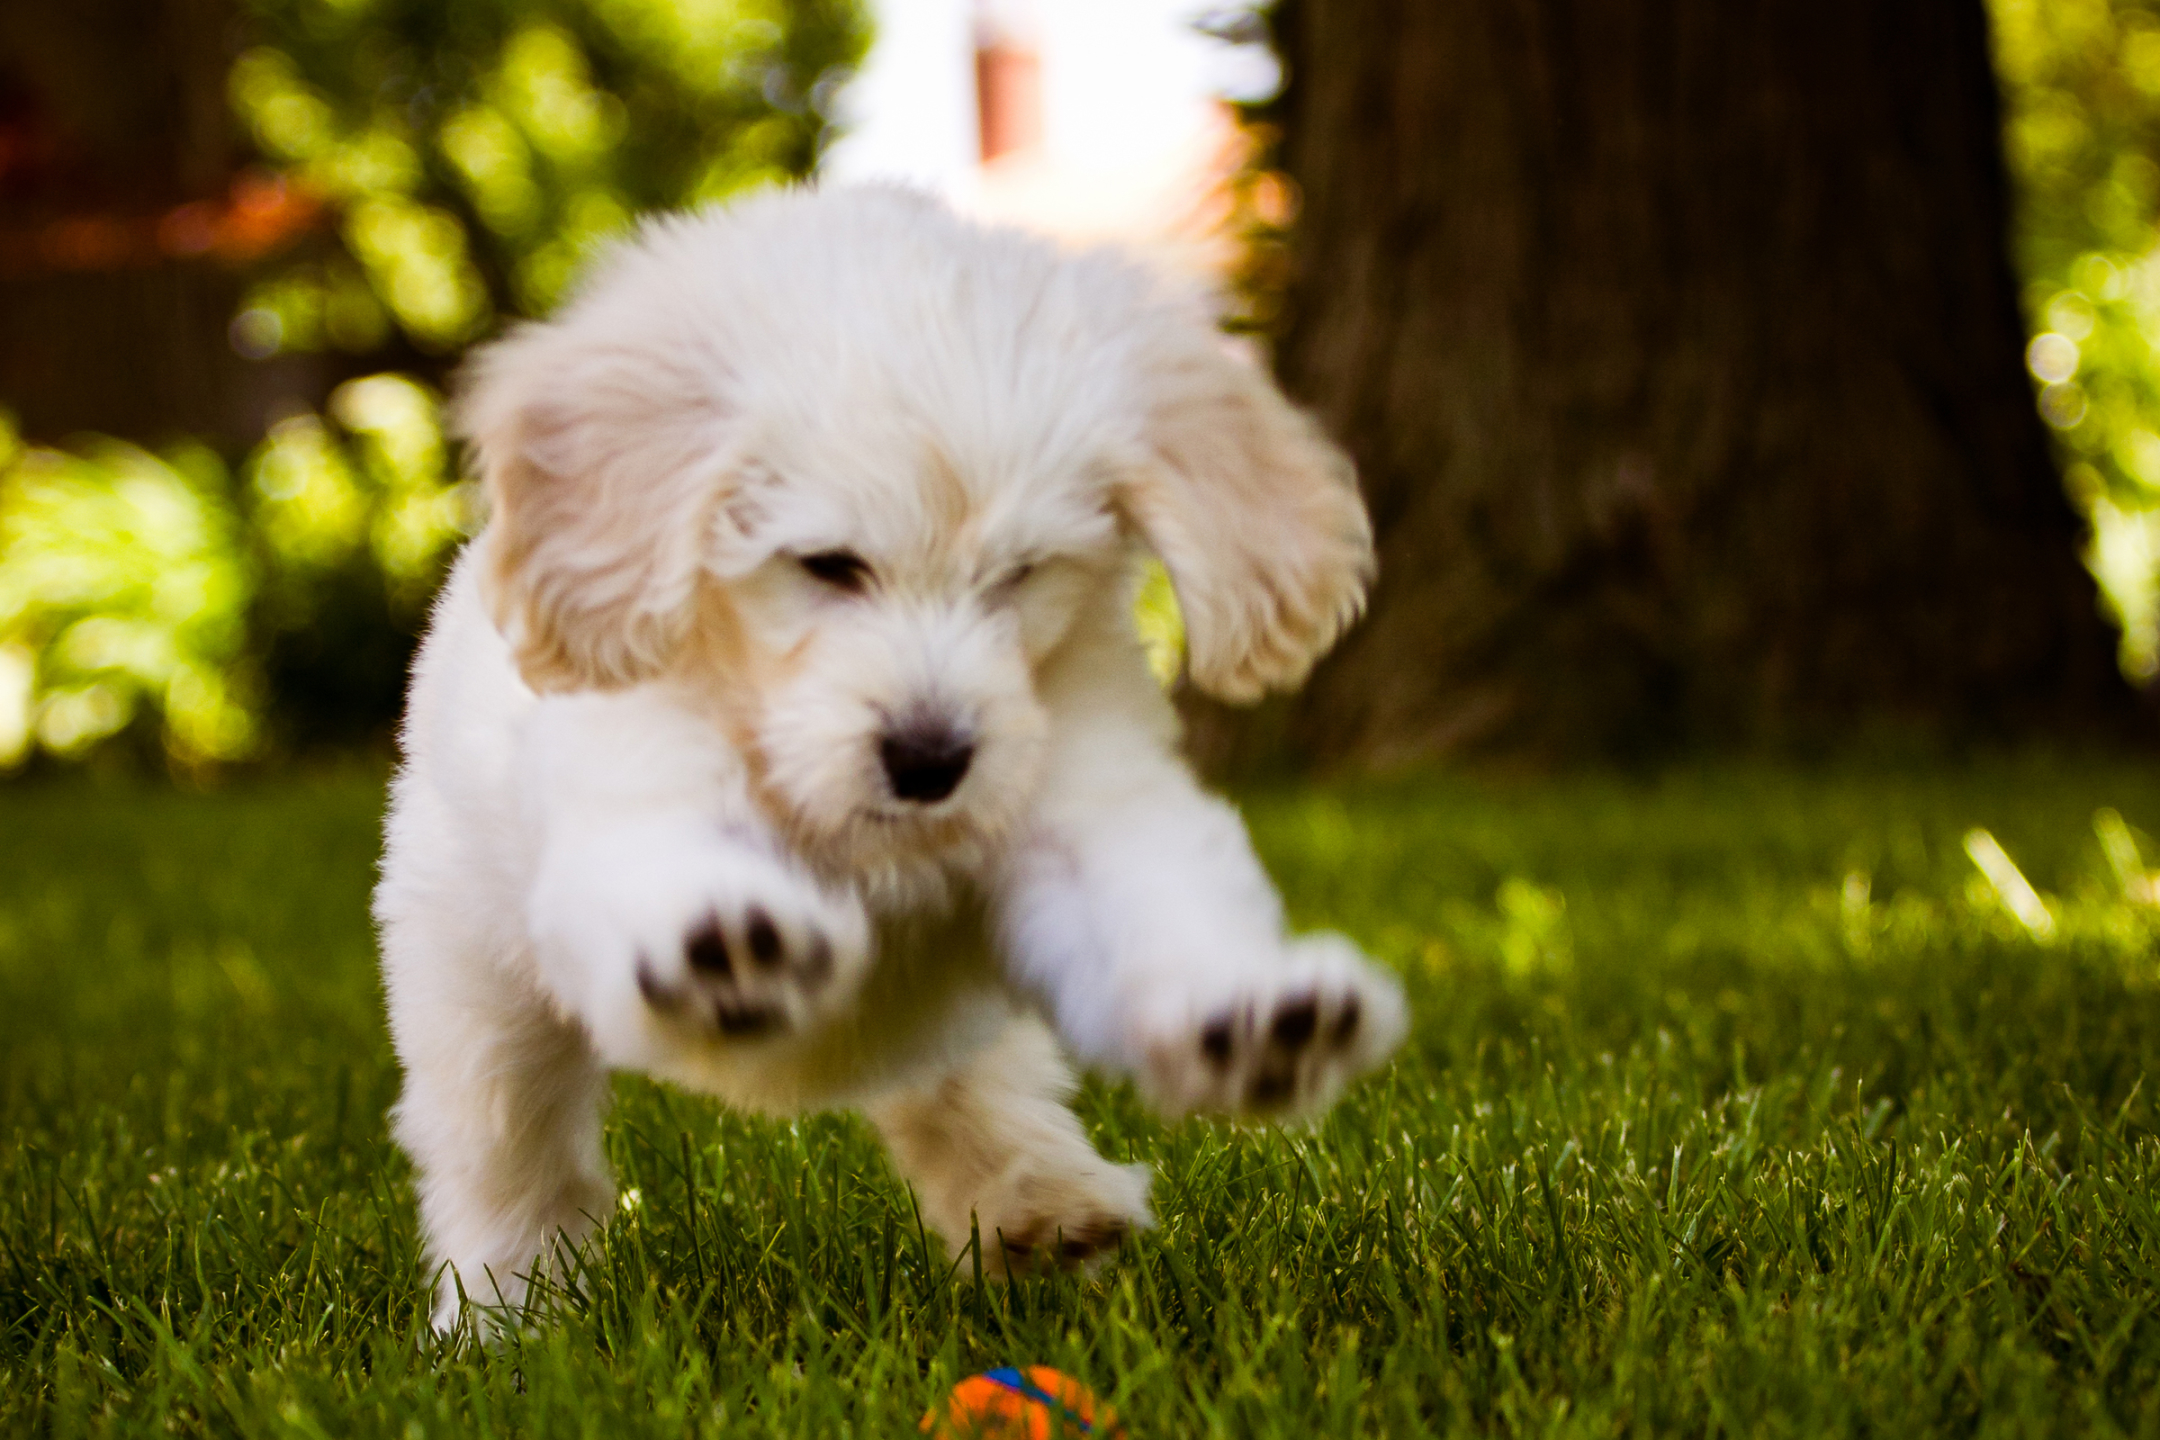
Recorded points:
(1738,1104)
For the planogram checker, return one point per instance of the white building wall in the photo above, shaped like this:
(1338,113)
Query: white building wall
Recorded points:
(910,111)
(1133,134)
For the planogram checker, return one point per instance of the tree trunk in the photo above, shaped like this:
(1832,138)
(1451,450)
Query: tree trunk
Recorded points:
(113,114)
(1679,351)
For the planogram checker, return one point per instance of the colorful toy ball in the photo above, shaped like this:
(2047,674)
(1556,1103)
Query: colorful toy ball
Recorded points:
(1032,1404)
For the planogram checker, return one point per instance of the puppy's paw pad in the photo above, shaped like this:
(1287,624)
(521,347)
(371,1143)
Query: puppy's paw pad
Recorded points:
(752,969)
(1287,1045)
(1281,1049)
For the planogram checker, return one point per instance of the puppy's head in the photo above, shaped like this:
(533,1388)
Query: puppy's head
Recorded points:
(872,477)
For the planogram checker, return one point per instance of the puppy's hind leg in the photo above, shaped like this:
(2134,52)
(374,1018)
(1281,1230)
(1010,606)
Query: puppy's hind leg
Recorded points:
(501,1115)
(993,1144)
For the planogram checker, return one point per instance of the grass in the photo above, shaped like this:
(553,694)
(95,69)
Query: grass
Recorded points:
(1738,1104)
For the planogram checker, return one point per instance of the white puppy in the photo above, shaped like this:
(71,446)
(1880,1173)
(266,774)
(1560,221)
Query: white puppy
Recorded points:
(785,734)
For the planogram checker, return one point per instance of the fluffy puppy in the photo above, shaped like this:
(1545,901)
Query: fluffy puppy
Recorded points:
(785,734)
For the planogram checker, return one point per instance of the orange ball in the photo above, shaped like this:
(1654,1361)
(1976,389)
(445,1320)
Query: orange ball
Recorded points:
(1037,1403)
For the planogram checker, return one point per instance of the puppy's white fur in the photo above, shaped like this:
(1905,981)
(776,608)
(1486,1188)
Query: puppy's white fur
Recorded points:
(645,818)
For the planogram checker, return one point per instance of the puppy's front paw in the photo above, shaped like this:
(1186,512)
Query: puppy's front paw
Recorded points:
(1283,1042)
(752,967)
(674,944)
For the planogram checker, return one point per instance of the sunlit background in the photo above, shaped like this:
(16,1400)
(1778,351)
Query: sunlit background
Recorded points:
(249,587)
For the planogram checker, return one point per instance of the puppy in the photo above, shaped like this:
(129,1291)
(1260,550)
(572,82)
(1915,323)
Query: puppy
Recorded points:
(785,734)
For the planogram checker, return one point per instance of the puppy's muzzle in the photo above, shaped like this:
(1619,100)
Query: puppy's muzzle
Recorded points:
(925,763)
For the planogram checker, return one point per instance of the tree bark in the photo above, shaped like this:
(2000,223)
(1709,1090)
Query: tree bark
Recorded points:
(1677,345)
(112,113)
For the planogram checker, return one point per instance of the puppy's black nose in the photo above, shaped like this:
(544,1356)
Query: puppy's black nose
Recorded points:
(925,764)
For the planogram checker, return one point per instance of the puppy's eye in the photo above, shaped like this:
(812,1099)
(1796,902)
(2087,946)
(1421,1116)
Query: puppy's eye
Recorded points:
(841,569)
(1012,579)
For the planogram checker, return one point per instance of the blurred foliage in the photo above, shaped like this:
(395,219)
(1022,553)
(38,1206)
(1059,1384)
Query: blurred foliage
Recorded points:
(473,152)
(477,149)
(2081,82)
(164,597)
(354,515)
(1160,623)
(124,589)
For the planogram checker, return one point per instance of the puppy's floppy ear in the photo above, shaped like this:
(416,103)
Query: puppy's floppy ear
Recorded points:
(603,465)
(1255,514)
